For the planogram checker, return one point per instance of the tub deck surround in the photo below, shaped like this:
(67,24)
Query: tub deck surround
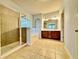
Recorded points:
(41,49)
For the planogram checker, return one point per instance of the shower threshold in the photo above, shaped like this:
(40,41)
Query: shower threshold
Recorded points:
(8,49)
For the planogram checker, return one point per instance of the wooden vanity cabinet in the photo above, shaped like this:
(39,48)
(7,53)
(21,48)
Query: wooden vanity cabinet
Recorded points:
(55,35)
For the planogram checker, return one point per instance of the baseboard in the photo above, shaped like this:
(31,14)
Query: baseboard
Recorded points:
(13,50)
(68,53)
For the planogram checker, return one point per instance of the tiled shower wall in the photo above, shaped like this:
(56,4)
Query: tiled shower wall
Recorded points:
(9,26)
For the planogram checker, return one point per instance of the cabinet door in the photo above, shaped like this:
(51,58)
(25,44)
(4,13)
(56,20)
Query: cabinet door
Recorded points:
(45,34)
(55,35)
(49,35)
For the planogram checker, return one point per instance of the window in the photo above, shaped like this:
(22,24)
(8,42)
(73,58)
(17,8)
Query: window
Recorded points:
(52,26)
(25,22)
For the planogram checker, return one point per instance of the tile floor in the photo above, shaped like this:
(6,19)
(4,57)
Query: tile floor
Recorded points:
(41,49)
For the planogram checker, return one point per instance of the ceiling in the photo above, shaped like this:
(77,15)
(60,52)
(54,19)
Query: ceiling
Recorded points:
(39,6)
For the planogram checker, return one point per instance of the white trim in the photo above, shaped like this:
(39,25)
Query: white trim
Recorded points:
(20,30)
(13,50)
(68,53)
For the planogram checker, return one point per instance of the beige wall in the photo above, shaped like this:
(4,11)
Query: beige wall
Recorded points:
(52,15)
(71,24)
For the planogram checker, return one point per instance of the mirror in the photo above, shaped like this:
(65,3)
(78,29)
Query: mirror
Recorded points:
(51,24)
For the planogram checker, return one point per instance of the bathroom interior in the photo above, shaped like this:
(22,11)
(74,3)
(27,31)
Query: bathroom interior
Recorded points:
(13,32)
(15,26)
(65,14)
